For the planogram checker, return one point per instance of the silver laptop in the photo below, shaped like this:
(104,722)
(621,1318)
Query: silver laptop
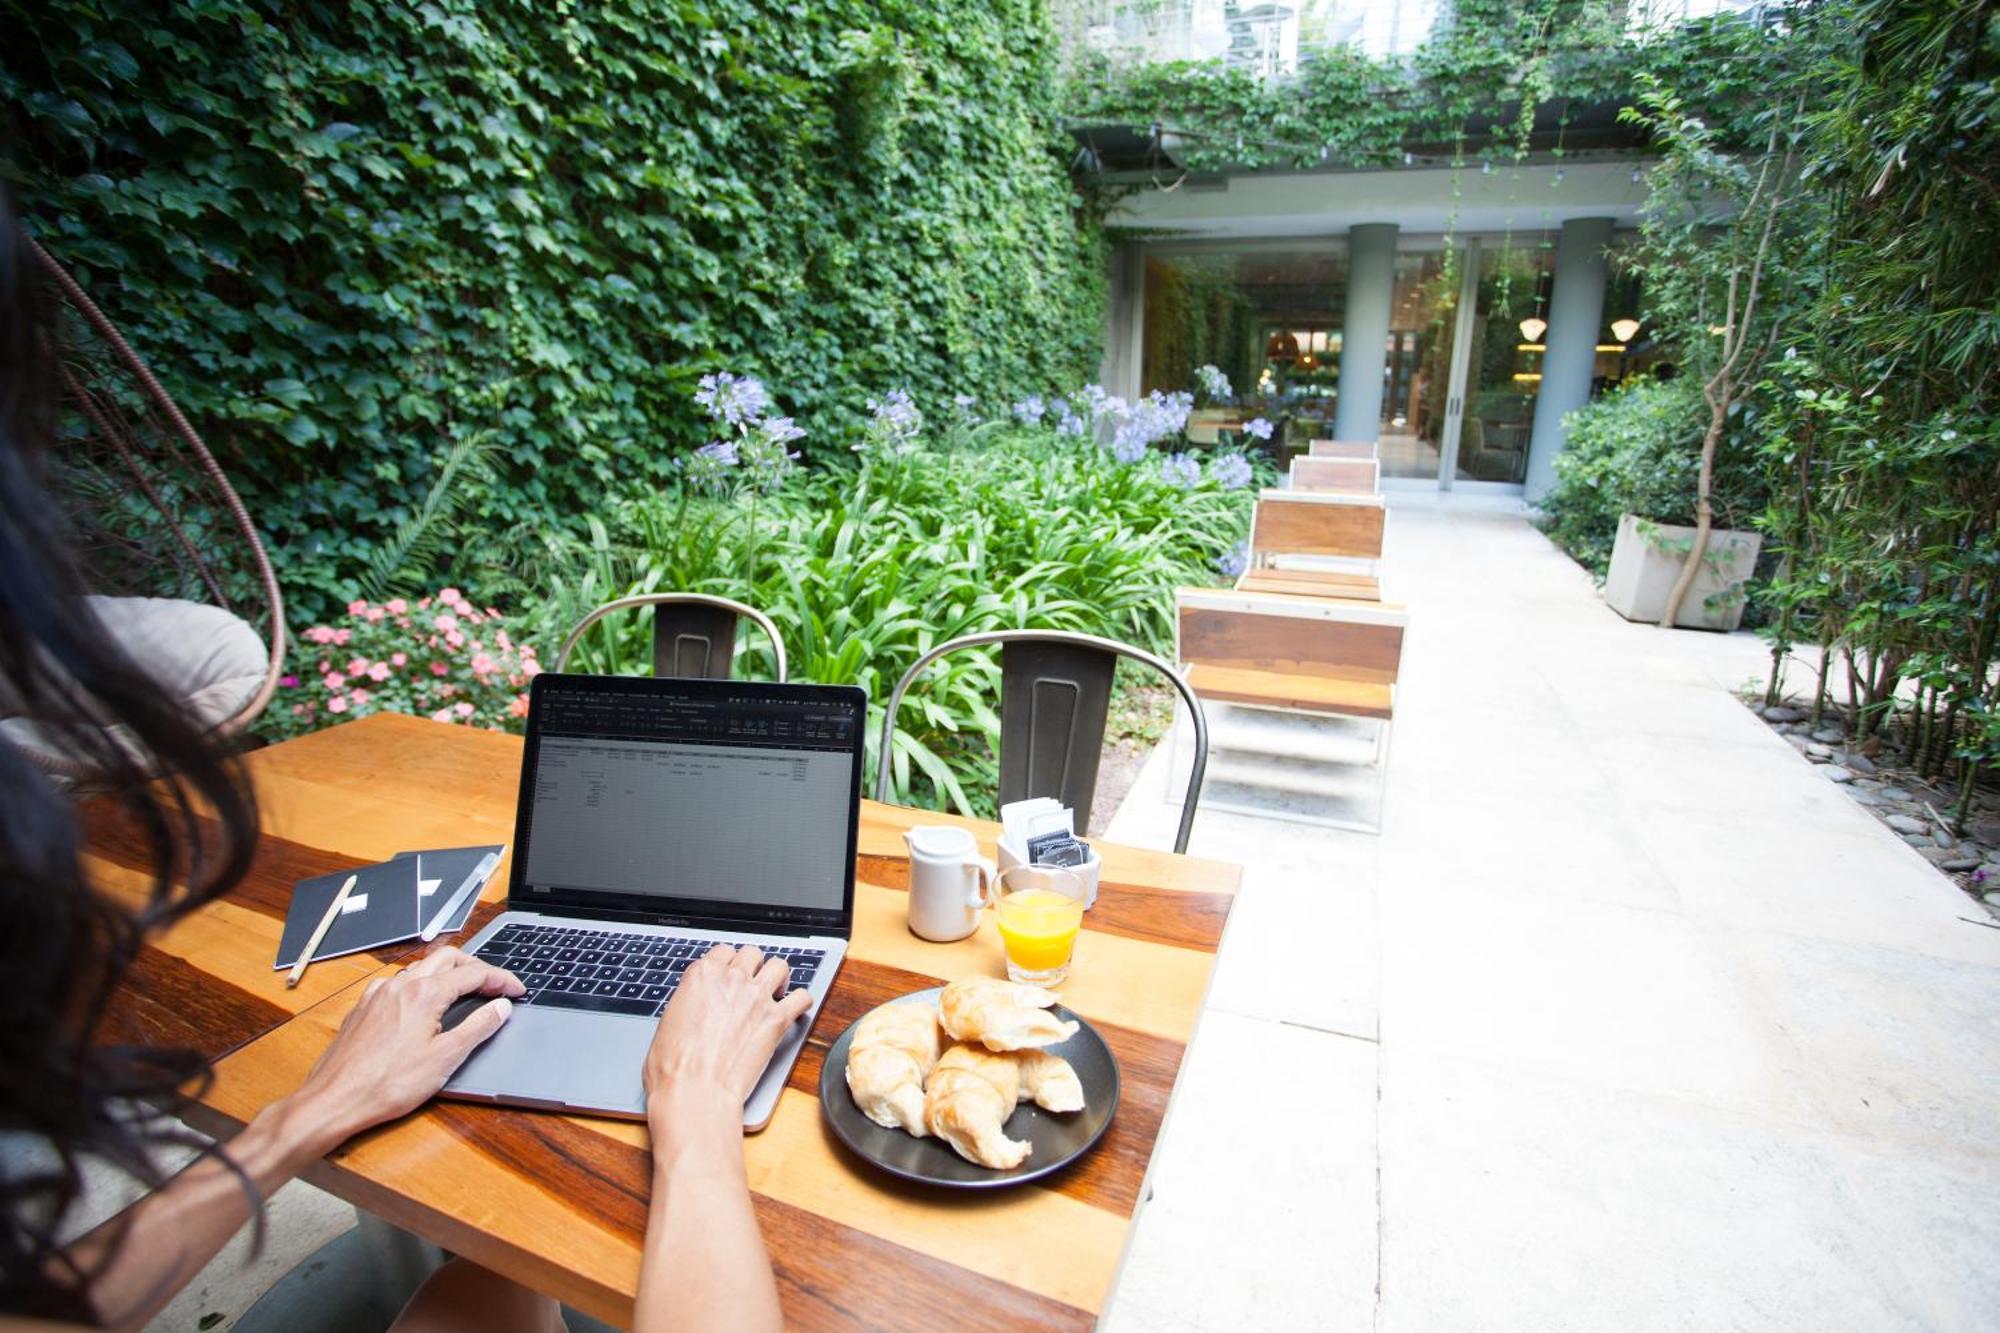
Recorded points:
(659,818)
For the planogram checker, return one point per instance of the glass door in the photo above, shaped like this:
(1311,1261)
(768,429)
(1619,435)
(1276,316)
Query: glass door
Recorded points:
(1416,367)
(1503,321)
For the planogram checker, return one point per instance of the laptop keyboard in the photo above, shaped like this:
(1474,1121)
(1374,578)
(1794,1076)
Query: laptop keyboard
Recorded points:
(610,971)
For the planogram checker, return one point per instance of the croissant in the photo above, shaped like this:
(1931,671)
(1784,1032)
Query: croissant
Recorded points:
(1001,1015)
(967,1100)
(972,1091)
(892,1052)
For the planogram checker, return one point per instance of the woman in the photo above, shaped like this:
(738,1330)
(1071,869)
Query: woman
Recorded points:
(64,950)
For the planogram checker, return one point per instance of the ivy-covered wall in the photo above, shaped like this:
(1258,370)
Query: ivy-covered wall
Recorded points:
(350,233)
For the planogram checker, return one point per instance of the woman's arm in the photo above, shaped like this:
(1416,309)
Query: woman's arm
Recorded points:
(705,1265)
(388,1058)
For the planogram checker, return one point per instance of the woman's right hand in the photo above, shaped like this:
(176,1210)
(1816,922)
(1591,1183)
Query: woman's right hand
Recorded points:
(391,1054)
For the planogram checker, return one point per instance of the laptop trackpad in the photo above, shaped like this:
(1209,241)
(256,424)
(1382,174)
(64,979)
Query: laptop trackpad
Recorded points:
(590,1061)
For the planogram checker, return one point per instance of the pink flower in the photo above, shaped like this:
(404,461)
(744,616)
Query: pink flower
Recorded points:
(341,636)
(446,690)
(320,634)
(334,680)
(359,697)
(462,708)
(483,665)
(454,638)
(446,623)
(449,595)
(531,668)
(356,607)
(442,715)
(423,604)
(289,682)
(380,670)
(503,641)
(438,668)
(492,614)
(337,704)
(300,710)
(398,659)
(357,666)
(374,613)
(396,606)
(519,706)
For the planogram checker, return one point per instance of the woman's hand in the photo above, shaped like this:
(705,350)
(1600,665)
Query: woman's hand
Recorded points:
(716,1038)
(390,1055)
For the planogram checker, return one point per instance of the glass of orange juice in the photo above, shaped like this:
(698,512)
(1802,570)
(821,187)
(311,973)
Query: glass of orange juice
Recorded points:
(1040,910)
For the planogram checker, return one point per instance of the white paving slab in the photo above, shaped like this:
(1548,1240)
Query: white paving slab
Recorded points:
(1670,1034)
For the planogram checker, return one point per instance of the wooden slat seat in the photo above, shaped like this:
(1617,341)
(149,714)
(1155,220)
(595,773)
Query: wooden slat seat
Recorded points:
(1312,583)
(1366,450)
(1351,475)
(1297,523)
(1293,692)
(1311,653)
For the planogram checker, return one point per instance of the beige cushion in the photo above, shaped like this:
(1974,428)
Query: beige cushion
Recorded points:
(206,657)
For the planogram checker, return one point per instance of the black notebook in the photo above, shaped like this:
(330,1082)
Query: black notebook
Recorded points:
(379,911)
(443,873)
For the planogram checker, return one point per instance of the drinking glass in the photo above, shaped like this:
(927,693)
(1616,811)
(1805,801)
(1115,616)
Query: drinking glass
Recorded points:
(1040,909)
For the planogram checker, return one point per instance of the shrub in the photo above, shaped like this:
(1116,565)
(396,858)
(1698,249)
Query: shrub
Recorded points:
(439,657)
(1637,450)
(866,565)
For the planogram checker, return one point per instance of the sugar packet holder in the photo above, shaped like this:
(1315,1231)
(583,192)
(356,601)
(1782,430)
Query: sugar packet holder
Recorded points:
(1041,831)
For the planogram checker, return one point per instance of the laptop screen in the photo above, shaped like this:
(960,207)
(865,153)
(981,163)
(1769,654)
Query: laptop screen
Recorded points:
(692,801)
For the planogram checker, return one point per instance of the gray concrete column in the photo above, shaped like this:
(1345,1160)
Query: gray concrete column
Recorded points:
(1124,322)
(1576,308)
(1364,330)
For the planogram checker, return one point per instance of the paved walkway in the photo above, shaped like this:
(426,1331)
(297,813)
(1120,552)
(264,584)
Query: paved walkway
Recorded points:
(1628,1019)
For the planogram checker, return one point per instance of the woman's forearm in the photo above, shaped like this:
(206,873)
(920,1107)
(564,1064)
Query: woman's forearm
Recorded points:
(155,1247)
(705,1265)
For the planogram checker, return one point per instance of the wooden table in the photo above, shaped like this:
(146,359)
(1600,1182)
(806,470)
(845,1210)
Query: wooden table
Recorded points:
(559,1202)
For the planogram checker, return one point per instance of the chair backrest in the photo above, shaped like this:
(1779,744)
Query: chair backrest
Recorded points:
(1355,475)
(1364,450)
(1302,635)
(694,633)
(1055,693)
(205,546)
(1307,523)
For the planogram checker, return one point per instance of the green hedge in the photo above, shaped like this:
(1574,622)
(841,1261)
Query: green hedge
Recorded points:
(350,235)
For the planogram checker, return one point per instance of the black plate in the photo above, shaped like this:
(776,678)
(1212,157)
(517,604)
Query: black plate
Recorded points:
(1058,1139)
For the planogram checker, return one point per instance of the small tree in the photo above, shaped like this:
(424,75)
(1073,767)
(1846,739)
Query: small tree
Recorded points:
(1716,254)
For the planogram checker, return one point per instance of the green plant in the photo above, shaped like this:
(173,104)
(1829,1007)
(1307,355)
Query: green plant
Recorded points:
(1635,450)
(866,566)
(333,229)
(440,657)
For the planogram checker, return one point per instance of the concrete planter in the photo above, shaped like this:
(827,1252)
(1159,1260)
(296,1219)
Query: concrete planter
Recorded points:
(1647,558)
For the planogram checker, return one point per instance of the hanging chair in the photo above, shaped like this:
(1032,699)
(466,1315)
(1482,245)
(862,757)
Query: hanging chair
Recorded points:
(162,535)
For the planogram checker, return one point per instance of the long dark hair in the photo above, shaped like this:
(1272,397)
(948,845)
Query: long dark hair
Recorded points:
(64,946)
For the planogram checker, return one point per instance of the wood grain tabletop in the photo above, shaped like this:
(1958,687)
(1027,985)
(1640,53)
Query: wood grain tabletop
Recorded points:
(559,1202)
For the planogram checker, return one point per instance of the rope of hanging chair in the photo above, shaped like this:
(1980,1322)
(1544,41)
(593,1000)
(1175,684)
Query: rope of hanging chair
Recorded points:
(239,516)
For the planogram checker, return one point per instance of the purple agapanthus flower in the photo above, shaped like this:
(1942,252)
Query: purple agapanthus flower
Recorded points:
(1257,428)
(894,422)
(708,465)
(1181,470)
(731,399)
(1232,563)
(1030,410)
(1128,448)
(1071,424)
(1232,472)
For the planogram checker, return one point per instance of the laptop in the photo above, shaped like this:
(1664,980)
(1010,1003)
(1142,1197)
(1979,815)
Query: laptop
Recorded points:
(659,818)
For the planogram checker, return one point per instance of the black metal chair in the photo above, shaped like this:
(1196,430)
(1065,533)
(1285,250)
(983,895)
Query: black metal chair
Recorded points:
(694,633)
(1055,693)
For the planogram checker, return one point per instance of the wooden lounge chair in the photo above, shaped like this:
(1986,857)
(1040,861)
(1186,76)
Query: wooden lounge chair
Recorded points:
(1354,476)
(1311,655)
(1296,523)
(1362,450)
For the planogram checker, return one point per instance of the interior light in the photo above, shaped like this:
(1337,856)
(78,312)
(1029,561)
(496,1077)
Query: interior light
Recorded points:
(1533,327)
(1624,329)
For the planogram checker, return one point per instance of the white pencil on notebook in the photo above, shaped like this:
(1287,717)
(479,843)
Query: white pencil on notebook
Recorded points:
(319,932)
